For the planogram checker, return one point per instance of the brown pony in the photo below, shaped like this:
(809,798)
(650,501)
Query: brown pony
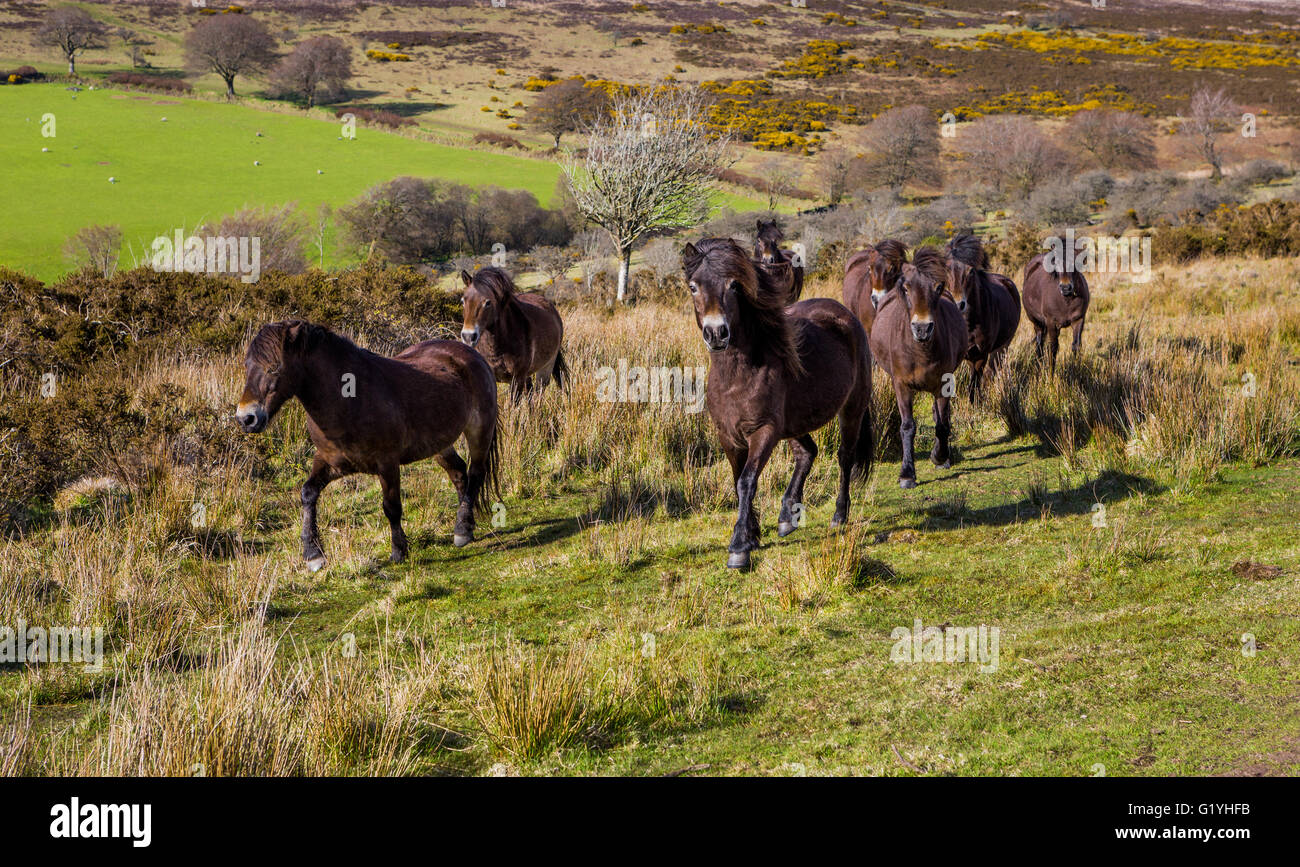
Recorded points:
(784,270)
(868,277)
(777,373)
(519,335)
(371,414)
(989,302)
(919,339)
(1054,300)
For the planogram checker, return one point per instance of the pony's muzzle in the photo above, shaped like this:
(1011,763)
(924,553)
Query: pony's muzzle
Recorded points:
(717,336)
(1067,289)
(251,419)
(922,331)
(469,336)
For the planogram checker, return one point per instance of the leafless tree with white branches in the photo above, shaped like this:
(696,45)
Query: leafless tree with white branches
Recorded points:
(1210,114)
(650,164)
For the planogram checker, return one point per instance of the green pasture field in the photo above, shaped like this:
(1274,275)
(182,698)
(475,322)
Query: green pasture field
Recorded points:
(199,165)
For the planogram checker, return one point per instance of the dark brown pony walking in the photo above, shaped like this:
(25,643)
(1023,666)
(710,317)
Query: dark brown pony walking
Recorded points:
(1054,300)
(868,277)
(777,373)
(920,340)
(519,335)
(782,266)
(989,302)
(371,414)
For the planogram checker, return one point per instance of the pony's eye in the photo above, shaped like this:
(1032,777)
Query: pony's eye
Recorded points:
(694,288)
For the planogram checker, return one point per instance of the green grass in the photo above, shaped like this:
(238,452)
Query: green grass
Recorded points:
(198,166)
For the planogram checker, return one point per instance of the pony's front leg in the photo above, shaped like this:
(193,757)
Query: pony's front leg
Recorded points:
(1077,343)
(745,537)
(907,431)
(321,475)
(390,482)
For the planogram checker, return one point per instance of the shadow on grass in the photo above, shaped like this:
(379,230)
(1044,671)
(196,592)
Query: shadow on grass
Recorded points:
(1106,487)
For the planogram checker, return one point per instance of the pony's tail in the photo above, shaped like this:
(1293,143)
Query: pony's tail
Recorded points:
(796,289)
(560,371)
(490,490)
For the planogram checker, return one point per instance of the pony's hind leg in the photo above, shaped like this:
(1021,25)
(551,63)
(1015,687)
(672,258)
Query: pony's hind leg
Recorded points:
(390,482)
(1053,346)
(942,429)
(853,418)
(1077,343)
(792,512)
(977,377)
(457,472)
(321,475)
(907,431)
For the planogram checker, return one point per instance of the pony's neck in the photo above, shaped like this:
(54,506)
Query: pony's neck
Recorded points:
(322,390)
(510,321)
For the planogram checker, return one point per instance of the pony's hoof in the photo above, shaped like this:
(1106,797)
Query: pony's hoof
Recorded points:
(907,484)
(837,522)
(946,465)
(738,560)
(315,564)
(785,528)
(397,557)
(460,540)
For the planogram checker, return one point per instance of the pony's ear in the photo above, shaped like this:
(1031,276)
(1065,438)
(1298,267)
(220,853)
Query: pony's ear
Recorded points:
(689,254)
(760,225)
(465,278)
(295,336)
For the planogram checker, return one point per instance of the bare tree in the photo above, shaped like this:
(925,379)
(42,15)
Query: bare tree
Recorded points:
(1115,139)
(96,246)
(319,229)
(835,171)
(551,262)
(72,31)
(565,107)
(778,181)
(902,146)
(1011,154)
(280,233)
(594,248)
(663,256)
(407,219)
(650,164)
(229,45)
(1211,113)
(317,70)
(134,44)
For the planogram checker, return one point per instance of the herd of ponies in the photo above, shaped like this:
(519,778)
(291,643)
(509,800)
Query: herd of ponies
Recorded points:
(780,368)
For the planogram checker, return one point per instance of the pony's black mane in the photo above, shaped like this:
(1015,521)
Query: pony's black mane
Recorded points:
(267,347)
(931,262)
(894,252)
(497,284)
(762,305)
(966,248)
